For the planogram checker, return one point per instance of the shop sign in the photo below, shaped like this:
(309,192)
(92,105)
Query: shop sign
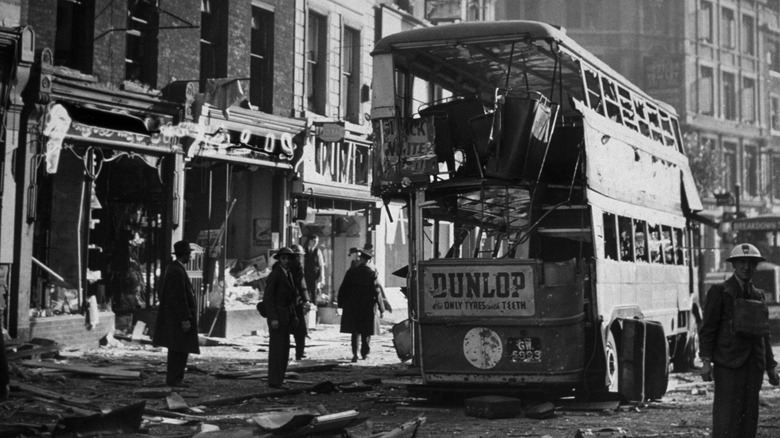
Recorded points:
(663,72)
(330,132)
(80,131)
(478,291)
(407,153)
(769,223)
(220,139)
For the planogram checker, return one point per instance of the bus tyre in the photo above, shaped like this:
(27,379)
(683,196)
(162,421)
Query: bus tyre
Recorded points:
(656,361)
(613,364)
(686,361)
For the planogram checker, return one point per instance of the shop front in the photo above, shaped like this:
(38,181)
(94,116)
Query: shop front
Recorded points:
(332,201)
(237,209)
(16,59)
(101,195)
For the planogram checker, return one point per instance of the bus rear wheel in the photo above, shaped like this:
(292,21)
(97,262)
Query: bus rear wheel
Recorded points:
(613,364)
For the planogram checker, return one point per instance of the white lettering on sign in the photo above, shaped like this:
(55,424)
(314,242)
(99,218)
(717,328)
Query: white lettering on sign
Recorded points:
(220,137)
(478,290)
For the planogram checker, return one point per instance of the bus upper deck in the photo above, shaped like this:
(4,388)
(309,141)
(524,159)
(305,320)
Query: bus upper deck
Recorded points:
(462,75)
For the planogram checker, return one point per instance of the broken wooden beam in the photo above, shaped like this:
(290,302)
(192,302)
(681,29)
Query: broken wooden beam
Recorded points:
(83,369)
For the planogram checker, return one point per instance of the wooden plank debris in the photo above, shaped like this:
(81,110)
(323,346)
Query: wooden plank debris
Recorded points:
(175,402)
(50,394)
(83,369)
(31,351)
(406,430)
(590,406)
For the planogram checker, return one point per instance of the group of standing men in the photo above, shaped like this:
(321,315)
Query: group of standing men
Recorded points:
(289,290)
(286,301)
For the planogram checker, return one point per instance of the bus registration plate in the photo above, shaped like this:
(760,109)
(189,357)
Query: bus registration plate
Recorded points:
(525,350)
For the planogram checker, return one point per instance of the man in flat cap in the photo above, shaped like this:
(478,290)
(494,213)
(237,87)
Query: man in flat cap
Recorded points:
(177,317)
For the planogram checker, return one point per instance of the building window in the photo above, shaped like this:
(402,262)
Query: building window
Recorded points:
(728,27)
(316,68)
(706,91)
(776,176)
(73,44)
(705,22)
(141,46)
(773,56)
(262,59)
(774,101)
(751,171)
(748,100)
(350,75)
(729,98)
(748,35)
(730,174)
(213,41)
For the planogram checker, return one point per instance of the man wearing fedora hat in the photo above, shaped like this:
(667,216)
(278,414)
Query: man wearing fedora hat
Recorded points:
(735,360)
(359,295)
(279,298)
(177,317)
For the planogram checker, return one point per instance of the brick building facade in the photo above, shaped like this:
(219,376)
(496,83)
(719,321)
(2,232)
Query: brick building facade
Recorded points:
(204,120)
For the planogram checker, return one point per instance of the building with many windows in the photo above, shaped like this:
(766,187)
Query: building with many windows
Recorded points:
(717,62)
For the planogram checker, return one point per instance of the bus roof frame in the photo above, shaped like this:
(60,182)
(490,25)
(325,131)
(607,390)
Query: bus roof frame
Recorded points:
(494,31)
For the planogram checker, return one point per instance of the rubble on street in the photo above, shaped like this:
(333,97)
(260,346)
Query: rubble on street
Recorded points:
(119,389)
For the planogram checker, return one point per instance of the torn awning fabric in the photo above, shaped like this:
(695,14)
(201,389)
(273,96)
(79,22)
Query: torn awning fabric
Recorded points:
(223,93)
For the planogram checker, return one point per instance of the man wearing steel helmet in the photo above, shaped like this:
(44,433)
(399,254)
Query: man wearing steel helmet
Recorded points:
(736,362)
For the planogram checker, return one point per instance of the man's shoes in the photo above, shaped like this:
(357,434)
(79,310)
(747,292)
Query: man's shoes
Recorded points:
(365,356)
(278,386)
(354,359)
(303,356)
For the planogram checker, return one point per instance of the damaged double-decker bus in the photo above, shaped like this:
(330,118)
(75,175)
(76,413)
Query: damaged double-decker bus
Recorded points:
(550,208)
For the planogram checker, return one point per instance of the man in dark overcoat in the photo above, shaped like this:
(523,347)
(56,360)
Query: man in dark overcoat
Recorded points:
(177,317)
(359,295)
(302,302)
(279,299)
(736,362)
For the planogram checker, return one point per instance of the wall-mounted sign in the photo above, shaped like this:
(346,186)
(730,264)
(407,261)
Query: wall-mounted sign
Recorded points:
(208,139)
(330,132)
(443,10)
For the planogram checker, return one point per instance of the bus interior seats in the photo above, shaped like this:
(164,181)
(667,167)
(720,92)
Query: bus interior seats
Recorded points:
(451,124)
(481,127)
(561,161)
(522,139)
